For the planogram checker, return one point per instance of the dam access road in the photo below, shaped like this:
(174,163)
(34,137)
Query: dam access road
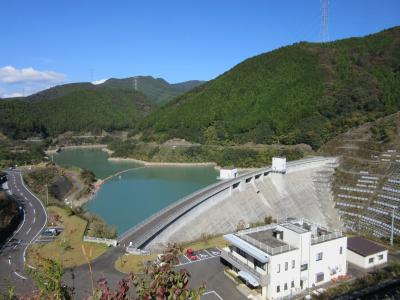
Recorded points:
(13,252)
(12,257)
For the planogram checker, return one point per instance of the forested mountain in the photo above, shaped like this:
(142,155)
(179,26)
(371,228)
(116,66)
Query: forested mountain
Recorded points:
(114,104)
(157,90)
(108,109)
(304,93)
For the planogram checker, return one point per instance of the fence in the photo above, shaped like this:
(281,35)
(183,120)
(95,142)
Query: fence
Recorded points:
(92,239)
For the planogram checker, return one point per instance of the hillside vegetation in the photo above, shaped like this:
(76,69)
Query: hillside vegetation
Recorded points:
(304,93)
(112,105)
(108,109)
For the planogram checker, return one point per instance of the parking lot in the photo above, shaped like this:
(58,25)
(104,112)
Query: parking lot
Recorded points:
(199,255)
(207,269)
(44,238)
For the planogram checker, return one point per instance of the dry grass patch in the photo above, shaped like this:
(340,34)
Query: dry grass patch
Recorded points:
(133,263)
(67,247)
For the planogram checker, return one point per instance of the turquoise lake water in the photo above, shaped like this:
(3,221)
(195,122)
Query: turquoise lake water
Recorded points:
(125,200)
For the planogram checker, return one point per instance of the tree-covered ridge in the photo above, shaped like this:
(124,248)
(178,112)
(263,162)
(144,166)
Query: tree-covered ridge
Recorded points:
(304,93)
(108,109)
(157,90)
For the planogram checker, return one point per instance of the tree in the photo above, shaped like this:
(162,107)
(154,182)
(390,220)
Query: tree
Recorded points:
(160,281)
(47,277)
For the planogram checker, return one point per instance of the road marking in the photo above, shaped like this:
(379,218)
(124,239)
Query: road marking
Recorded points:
(30,204)
(15,246)
(31,267)
(195,261)
(45,218)
(208,252)
(34,211)
(34,219)
(29,230)
(26,198)
(20,276)
(215,293)
(9,261)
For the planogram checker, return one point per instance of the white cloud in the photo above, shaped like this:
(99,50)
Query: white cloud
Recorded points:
(99,81)
(16,94)
(9,74)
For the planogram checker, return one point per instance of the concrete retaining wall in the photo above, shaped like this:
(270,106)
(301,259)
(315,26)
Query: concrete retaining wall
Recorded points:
(304,191)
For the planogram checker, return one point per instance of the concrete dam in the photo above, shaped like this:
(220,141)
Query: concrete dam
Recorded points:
(304,191)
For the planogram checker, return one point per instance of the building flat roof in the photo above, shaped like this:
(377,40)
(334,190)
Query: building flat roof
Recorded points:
(295,227)
(266,237)
(363,246)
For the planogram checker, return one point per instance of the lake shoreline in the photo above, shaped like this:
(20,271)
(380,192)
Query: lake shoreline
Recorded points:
(165,164)
(87,146)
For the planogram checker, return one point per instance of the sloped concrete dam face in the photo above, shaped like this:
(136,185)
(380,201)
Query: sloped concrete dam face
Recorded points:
(304,191)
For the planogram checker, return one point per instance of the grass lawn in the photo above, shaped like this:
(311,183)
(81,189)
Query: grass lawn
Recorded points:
(134,263)
(67,247)
(217,241)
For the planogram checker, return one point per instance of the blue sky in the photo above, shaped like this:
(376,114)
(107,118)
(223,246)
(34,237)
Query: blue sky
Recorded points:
(43,43)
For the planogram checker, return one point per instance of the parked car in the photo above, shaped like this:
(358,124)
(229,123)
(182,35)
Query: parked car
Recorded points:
(50,232)
(191,255)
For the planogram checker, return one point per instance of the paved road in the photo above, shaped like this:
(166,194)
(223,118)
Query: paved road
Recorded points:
(12,254)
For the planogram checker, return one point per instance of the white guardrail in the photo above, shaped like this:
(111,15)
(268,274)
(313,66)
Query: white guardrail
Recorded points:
(212,191)
(92,239)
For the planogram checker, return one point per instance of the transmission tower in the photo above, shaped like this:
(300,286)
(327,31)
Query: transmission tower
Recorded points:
(324,21)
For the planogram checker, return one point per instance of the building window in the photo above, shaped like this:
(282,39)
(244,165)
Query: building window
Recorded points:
(278,288)
(279,268)
(241,252)
(340,250)
(259,264)
(292,284)
(285,287)
(286,266)
(319,277)
(293,263)
(371,260)
(319,256)
(380,256)
(304,267)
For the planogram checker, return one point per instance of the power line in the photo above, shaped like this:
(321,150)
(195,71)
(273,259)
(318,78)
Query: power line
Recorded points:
(324,21)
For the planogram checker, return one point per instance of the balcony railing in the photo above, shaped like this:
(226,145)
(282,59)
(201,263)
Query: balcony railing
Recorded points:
(266,248)
(241,265)
(326,237)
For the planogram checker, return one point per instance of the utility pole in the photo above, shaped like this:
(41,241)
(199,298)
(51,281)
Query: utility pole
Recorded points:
(47,195)
(391,232)
(135,83)
(324,21)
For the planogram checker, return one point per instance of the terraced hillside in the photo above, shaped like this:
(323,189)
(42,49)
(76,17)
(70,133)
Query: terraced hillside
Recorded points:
(367,182)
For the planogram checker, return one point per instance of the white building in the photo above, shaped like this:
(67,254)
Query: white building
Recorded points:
(279,164)
(364,253)
(227,173)
(285,259)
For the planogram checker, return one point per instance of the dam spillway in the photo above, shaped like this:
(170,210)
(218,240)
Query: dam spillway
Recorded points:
(304,191)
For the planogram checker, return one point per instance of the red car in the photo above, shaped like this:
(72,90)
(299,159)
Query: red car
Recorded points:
(191,255)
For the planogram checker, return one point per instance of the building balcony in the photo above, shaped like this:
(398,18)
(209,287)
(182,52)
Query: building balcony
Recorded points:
(263,279)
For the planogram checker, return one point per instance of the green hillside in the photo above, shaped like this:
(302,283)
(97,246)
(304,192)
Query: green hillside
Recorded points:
(156,89)
(304,93)
(108,109)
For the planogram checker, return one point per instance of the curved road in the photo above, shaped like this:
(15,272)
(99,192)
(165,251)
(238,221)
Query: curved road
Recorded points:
(12,253)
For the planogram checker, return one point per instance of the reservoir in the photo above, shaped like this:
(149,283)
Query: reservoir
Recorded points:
(129,198)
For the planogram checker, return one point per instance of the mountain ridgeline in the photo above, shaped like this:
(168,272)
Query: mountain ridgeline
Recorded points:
(304,93)
(113,105)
